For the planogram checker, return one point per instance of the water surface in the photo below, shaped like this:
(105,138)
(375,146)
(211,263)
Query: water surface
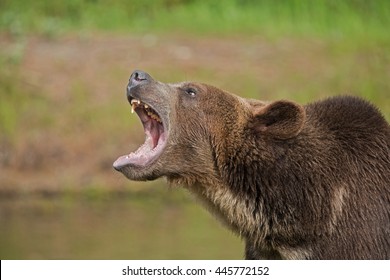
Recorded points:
(94,225)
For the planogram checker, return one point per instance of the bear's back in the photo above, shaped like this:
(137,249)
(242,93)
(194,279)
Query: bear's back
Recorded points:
(360,137)
(353,122)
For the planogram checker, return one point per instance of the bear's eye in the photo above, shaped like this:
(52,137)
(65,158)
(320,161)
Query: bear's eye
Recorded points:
(190,91)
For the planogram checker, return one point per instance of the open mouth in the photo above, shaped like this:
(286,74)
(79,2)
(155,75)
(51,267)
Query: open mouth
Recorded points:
(155,137)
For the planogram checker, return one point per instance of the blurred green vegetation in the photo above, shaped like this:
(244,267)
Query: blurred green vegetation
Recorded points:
(358,19)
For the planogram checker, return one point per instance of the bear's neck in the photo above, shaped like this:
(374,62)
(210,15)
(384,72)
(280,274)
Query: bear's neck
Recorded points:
(238,213)
(231,191)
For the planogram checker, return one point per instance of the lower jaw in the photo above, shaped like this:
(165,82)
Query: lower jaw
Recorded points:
(134,161)
(137,173)
(143,158)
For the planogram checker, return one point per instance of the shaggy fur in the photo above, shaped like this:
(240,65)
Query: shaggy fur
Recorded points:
(296,182)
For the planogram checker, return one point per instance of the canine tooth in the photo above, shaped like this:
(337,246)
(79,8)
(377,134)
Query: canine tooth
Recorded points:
(146,106)
(134,103)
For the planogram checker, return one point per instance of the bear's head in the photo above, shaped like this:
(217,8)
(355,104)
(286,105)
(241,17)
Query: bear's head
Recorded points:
(192,129)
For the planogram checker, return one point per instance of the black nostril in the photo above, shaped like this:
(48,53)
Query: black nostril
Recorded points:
(139,76)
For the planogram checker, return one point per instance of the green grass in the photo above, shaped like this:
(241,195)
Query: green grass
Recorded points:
(358,19)
(20,106)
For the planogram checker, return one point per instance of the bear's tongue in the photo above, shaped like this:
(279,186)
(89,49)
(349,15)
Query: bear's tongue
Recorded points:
(153,131)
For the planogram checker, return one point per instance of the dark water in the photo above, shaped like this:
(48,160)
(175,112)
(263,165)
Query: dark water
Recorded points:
(121,226)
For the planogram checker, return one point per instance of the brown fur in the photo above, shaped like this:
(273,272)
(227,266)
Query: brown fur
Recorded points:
(296,182)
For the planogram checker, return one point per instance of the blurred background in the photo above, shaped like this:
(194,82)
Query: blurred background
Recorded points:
(64,117)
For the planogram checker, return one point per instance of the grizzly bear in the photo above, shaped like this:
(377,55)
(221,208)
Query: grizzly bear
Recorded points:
(295,182)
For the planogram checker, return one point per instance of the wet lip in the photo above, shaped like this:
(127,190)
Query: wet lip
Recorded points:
(155,137)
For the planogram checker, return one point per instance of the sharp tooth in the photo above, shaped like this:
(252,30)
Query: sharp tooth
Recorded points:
(134,104)
(146,106)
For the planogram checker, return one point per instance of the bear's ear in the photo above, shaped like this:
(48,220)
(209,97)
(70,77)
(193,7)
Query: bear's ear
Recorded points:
(280,119)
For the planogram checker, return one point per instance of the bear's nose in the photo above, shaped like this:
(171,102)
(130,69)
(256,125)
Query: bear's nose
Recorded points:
(139,77)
